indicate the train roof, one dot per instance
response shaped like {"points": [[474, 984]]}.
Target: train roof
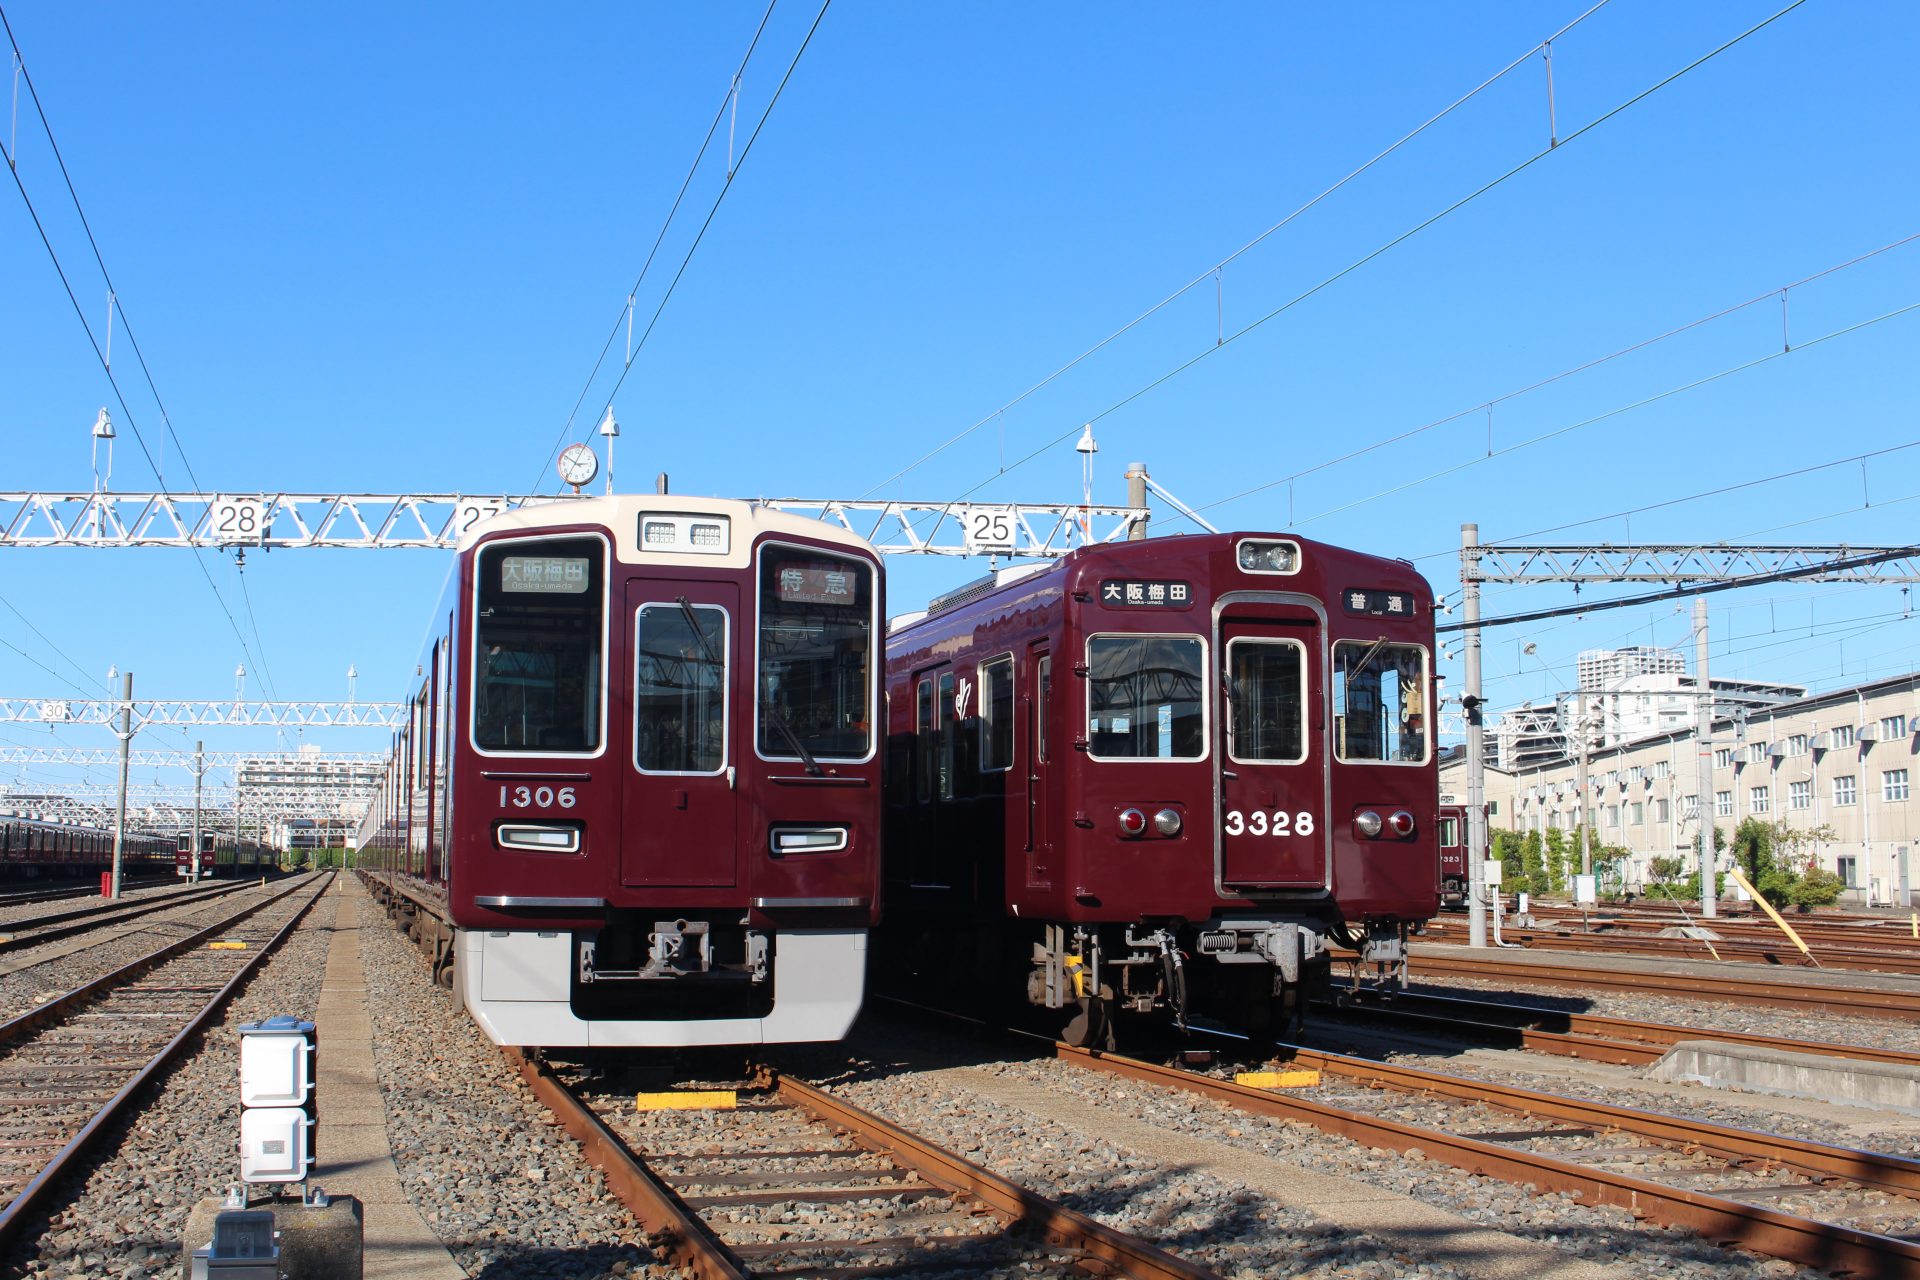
{"points": [[620, 515], [1140, 557]]}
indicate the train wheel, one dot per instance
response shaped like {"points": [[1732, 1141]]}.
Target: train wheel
{"points": [[1091, 1027]]}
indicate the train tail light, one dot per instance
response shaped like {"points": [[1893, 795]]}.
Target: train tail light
{"points": [[1401, 823], [1133, 822], [1397, 825]]}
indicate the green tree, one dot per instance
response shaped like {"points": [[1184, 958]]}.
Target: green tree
{"points": [[1778, 860], [1556, 859], [1507, 847], [1533, 865]]}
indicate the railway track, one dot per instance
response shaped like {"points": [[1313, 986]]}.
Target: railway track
{"points": [[27, 897], [16, 935], [1747, 946], [1592, 1037], [70, 1066], [1855, 1212], [795, 1183], [1429, 964]]}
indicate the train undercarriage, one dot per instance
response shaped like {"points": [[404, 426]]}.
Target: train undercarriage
{"points": [[1252, 976]]}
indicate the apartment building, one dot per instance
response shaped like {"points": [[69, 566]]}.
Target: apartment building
{"points": [[1845, 760]]}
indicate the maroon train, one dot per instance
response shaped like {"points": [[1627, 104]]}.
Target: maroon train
{"points": [[1163, 775], [1453, 852], [30, 847], [643, 766]]}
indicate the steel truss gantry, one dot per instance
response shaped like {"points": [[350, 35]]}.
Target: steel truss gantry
{"points": [[437, 520], [1691, 570], [1699, 563], [213, 711], [183, 759]]}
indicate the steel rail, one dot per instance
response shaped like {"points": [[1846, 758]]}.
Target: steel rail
{"points": [[674, 1231], [30, 1195], [1878, 1003], [1022, 1208], [1816, 1159], [56, 925], [1861, 1254], [1640, 1041], [1745, 950]]}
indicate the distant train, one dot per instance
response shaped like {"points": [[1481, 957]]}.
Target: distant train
{"points": [[222, 856], [643, 767], [30, 848], [1453, 852], [1166, 776]]}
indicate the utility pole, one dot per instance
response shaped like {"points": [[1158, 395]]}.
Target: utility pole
{"points": [[120, 806], [199, 772], [1703, 734], [1476, 742], [1580, 783]]}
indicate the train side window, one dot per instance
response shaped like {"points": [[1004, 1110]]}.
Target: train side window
{"points": [[1266, 701], [1449, 832], [924, 741], [680, 689], [422, 736], [996, 711], [538, 637], [1146, 697], [1379, 701], [1043, 678], [949, 735]]}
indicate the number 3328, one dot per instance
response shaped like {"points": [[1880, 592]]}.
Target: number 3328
{"points": [[1258, 823]]}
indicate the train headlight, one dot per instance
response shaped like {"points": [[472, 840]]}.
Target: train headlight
{"points": [[1401, 823], [1167, 822], [1269, 557], [1133, 822], [1367, 823]]}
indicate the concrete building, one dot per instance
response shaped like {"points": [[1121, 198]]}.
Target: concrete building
{"points": [[1844, 760]]}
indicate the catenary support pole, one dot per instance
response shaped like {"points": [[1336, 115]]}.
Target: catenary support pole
{"points": [[1703, 743], [1580, 785], [126, 754], [1476, 740], [199, 773], [1137, 497]]}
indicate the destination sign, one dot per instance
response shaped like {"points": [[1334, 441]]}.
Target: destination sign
{"points": [[817, 586], [545, 575], [1133, 593], [1378, 604]]}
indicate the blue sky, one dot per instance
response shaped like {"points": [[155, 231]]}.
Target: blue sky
{"points": [[378, 248]]}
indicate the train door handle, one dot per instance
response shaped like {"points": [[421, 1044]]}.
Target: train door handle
{"points": [[1228, 773]]}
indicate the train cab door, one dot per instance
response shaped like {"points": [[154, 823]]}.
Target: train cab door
{"points": [[1043, 777], [1270, 759], [679, 819]]}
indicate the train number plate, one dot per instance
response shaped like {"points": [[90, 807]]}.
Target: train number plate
{"points": [[1259, 822]]}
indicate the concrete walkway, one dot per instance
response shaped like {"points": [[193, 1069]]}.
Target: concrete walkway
{"points": [[355, 1159]]}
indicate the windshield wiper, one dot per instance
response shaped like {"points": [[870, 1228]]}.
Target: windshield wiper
{"points": [[773, 712], [1366, 660]]}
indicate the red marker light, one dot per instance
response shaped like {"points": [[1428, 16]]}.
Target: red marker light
{"points": [[1133, 822], [1402, 823]]}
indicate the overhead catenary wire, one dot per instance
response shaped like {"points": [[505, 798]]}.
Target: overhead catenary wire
{"points": [[93, 340], [625, 314], [1213, 272], [1492, 184], [714, 209]]}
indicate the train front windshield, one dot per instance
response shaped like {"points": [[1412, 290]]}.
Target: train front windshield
{"points": [[814, 680], [538, 636]]}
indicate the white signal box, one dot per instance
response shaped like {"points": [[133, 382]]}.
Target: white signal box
{"points": [[276, 1097], [273, 1144], [275, 1063]]}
